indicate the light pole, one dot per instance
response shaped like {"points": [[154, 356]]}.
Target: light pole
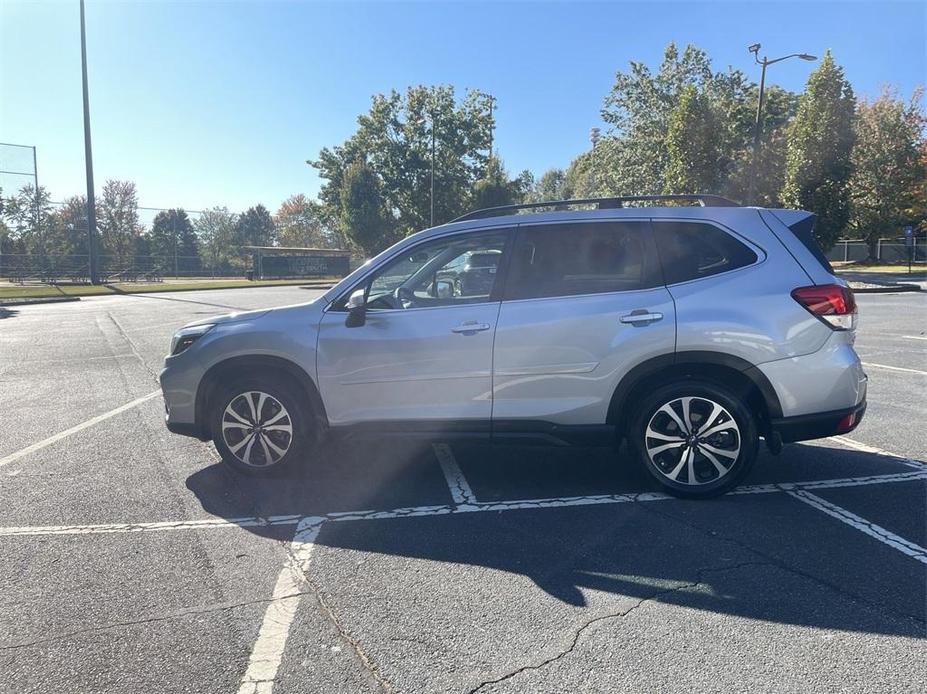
{"points": [[594, 134], [88, 160], [758, 128], [432, 167]]}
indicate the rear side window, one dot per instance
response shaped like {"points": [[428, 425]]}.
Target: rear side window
{"points": [[690, 250], [581, 258]]}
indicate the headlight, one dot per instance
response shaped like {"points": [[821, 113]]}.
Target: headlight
{"points": [[185, 337]]}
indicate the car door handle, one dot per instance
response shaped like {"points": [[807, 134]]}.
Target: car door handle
{"points": [[641, 316], [471, 327]]}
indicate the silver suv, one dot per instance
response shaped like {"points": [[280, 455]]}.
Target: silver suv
{"points": [[690, 331]]}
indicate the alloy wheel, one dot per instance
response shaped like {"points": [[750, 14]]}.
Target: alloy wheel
{"points": [[692, 441], [257, 429]]}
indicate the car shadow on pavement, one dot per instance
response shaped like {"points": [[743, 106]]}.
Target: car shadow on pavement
{"points": [[7, 312], [762, 556]]}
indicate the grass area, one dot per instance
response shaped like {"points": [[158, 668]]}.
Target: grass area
{"points": [[15, 291]]}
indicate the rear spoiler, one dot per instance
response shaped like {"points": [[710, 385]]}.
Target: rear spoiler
{"points": [[795, 229]]}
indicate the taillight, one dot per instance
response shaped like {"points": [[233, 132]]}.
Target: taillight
{"points": [[832, 303]]}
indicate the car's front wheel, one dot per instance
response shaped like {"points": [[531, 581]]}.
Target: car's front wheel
{"points": [[261, 426], [696, 439]]}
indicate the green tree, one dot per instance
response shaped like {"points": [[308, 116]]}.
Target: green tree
{"points": [[302, 222], [393, 144], [633, 157], [365, 222], [117, 222], [820, 139], [69, 222], [172, 242], [887, 169], [550, 186], [779, 107], [495, 188], [256, 227], [29, 216], [216, 230], [693, 149]]}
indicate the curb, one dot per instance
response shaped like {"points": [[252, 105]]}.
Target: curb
{"points": [[26, 301], [896, 289]]}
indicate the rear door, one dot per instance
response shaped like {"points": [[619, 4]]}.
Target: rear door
{"points": [[584, 302]]}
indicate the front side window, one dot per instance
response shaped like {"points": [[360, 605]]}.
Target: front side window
{"points": [[444, 272], [581, 258], [690, 250]]}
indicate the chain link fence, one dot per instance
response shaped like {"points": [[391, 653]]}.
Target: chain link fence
{"points": [[887, 251], [53, 269]]}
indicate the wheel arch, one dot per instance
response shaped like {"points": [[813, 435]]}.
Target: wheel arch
{"points": [[265, 364], [727, 370]]}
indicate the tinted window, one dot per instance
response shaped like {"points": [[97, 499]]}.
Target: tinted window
{"points": [[689, 250], [570, 259]]}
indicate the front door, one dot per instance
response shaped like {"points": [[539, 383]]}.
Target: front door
{"points": [[424, 351]]}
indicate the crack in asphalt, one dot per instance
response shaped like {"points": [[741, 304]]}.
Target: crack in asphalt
{"points": [[578, 633], [315, 590], [779, 564], [178, 614]]}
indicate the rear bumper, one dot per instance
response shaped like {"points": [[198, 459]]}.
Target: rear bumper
{"points": [[819, 425]]}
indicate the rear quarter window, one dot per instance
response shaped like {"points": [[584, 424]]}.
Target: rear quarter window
{"points": [[692, 250]]}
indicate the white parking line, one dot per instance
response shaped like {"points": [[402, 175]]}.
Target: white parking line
{"points": [[73, 430], [865, 448], [893, 368], [445, 509], [456, 482], [876, 531], [275, 627], [915, 337]]}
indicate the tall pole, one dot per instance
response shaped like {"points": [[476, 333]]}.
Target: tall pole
{"points": [[88, 159], [757, 131], [758, 128], [432, 167], [174, 235], [492, 125]]}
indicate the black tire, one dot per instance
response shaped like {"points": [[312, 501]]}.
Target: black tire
{"points": [[734, 434], [261, 457]]}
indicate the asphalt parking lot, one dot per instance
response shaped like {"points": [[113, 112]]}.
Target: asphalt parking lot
{"points": [[133, 562]]}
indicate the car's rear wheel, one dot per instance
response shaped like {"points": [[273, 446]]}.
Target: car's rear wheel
{"points": [[261, 426], [697, 439]]}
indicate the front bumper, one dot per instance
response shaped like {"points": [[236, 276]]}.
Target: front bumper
{"points": [[819, 425]]}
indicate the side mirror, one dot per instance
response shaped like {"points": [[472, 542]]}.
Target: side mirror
{"points": [[357, 309], [444, 289]]}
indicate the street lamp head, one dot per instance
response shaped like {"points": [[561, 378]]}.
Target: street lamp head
{"points": [[755, 48], [807, 56]]}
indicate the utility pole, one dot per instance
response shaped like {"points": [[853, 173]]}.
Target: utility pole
{"points": [[594, 134], [432, 166], [758, 127], [174, 236], [492, 123], [88, 159]]}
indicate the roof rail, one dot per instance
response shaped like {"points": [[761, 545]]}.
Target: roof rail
{"points": [[601, 203]]}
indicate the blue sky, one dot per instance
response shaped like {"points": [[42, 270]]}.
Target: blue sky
{"points": [[221, 103]]}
